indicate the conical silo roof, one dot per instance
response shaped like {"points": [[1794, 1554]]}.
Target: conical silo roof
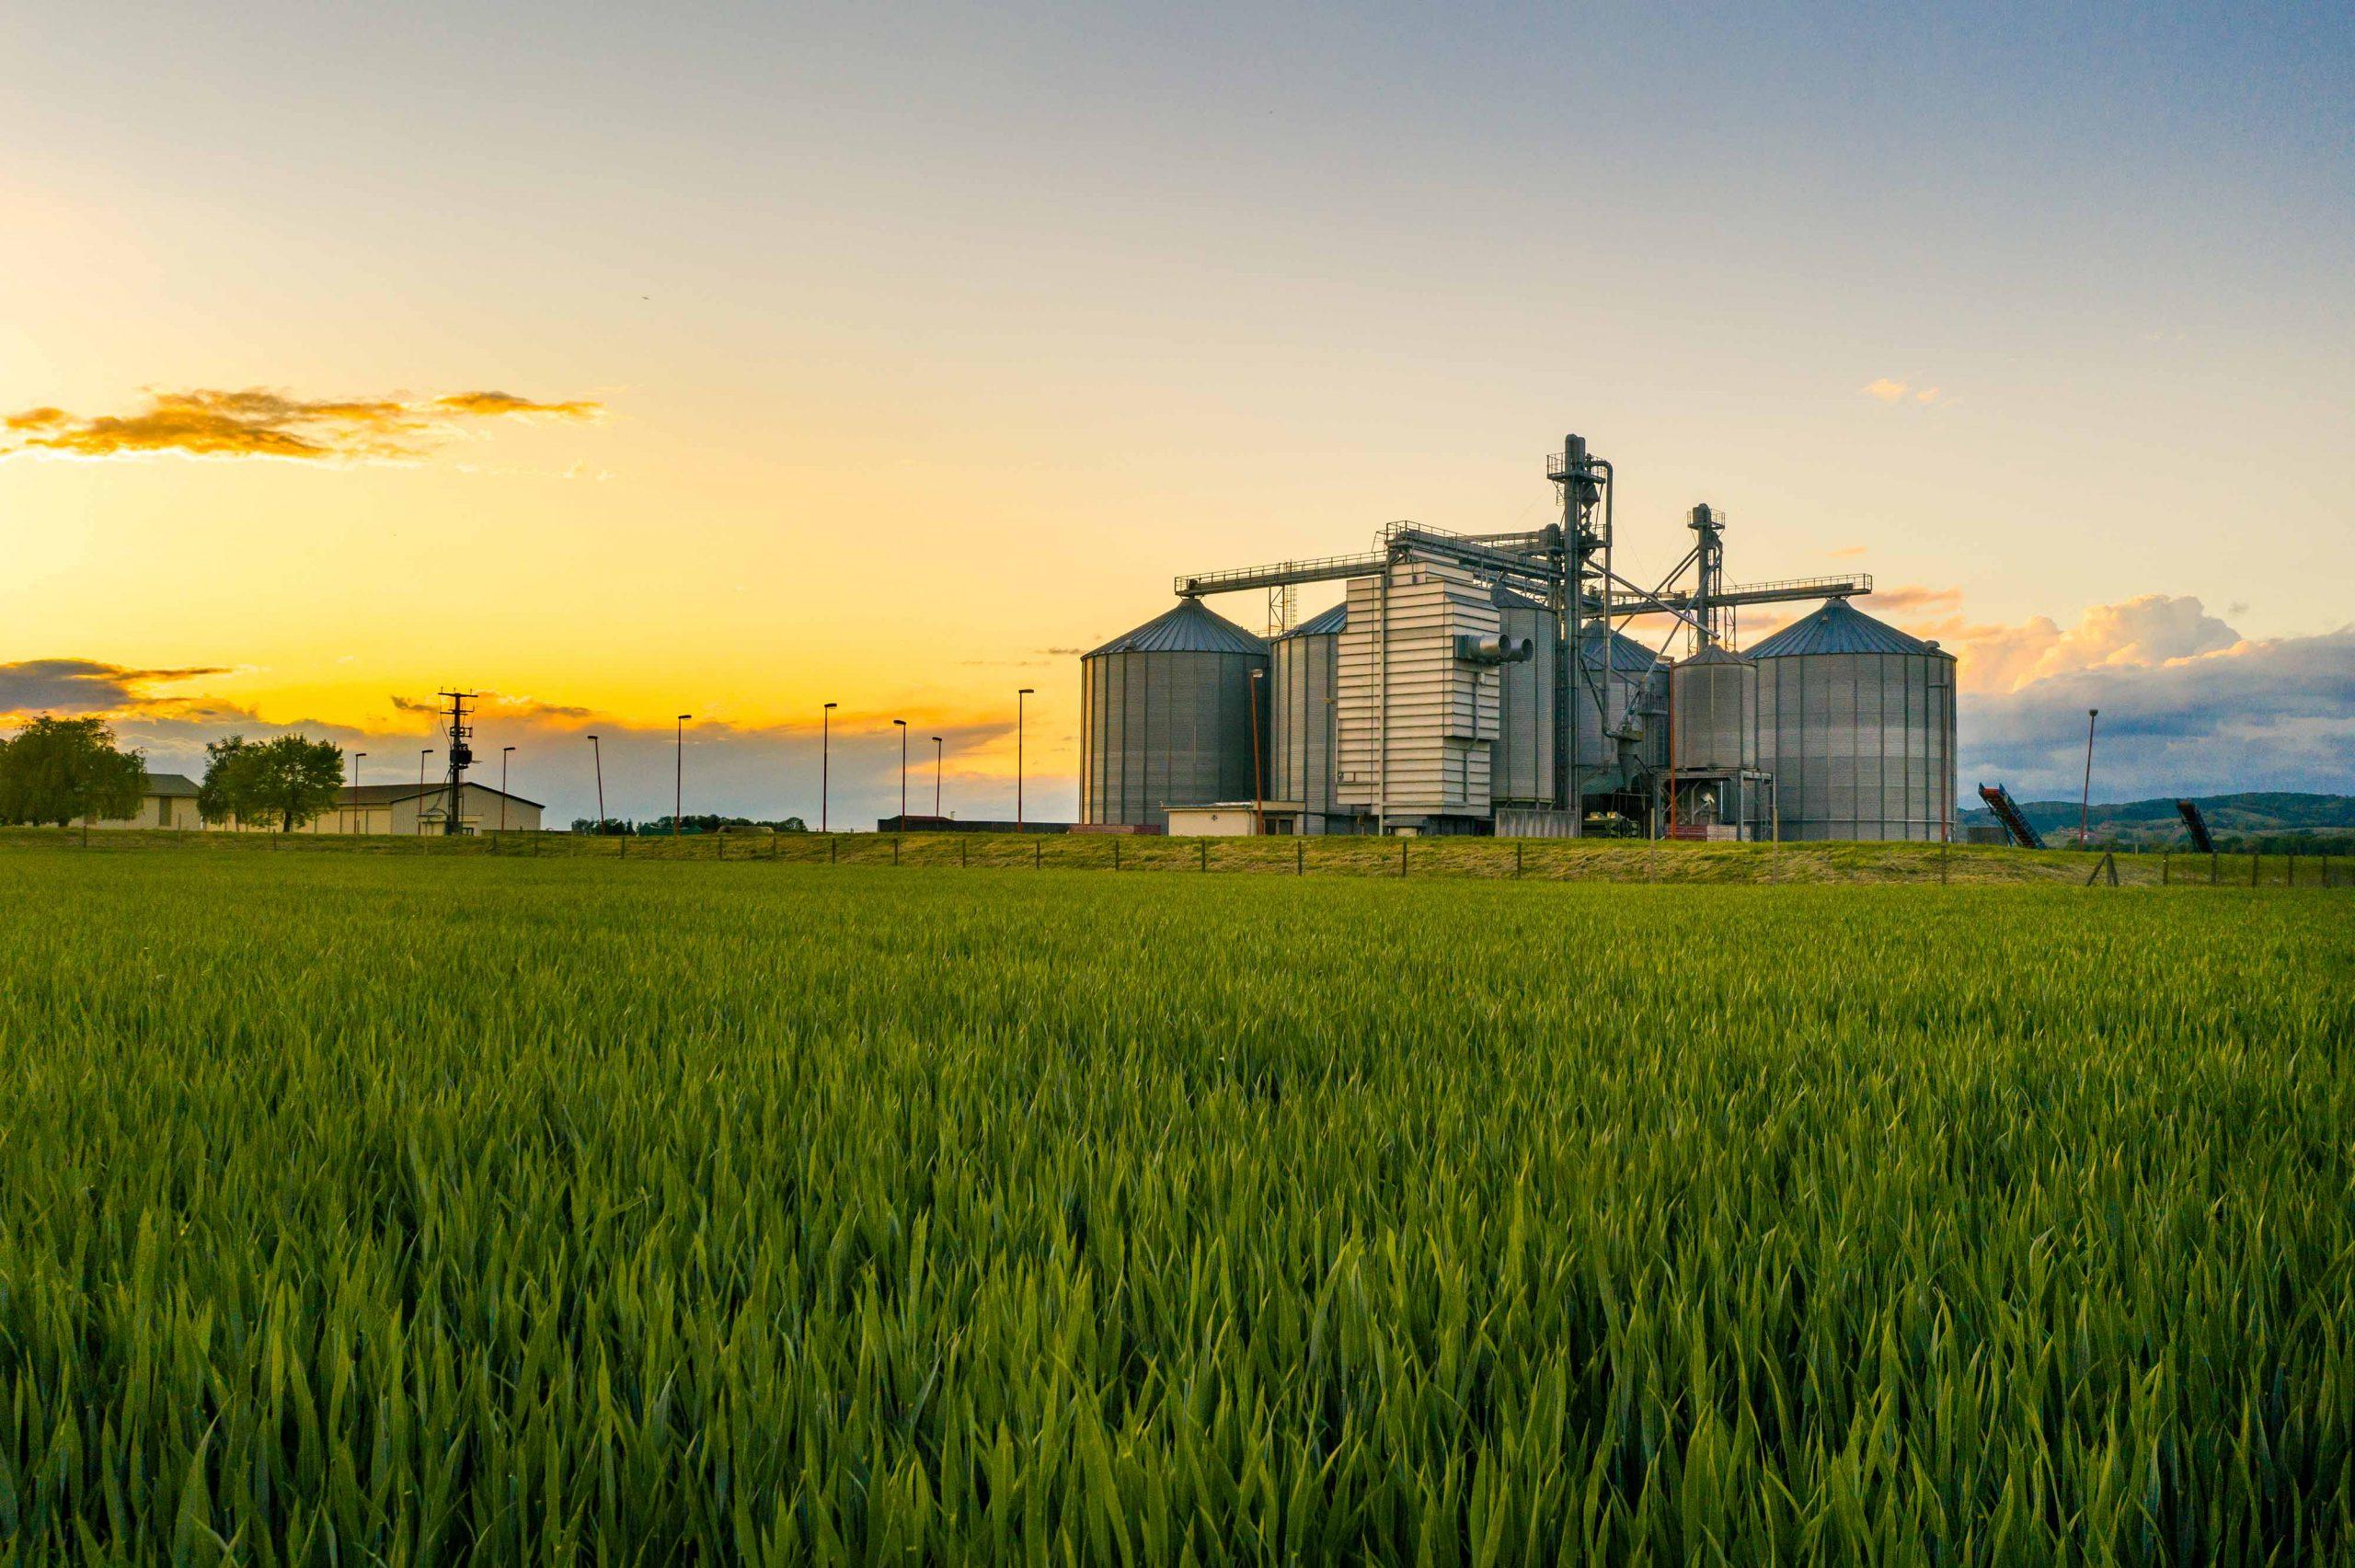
{"points": [[1629, 656], [1327, 624], [1840, 627], [1714, 654], [1189, 628]]}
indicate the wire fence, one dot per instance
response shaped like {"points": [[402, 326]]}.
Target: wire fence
{"points": [[1554, 860]]}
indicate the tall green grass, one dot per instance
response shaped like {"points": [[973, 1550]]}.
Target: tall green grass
{"points": [[356, 1209]]}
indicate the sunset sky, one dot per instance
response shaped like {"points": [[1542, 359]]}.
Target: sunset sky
{"points": [[626, 361]]}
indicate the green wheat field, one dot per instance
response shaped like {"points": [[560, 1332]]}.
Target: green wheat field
{"points": [[398, 1209]]}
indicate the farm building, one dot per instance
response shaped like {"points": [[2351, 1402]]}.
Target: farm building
{"points": [[169, 802], [408, 809]]}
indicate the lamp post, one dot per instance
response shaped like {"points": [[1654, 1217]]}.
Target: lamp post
{"points": [[1026, 692], [504, 752], [597, 757], [679, 772], [825, 759], [358, 758], [937, 753], [1258, 816], [2085, 806], [903, 774]]}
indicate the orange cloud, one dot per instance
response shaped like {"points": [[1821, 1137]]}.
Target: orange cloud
{"points": [[494, 404], [258, 422], [1885, 389]]}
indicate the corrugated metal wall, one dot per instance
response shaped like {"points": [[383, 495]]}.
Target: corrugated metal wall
{"points": [[1159, 729], [1430, 755], [1524, 757], [1305, 745], [1861, 745], [1716, 713]]}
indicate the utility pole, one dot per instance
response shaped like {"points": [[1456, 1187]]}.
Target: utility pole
{"points": [[504, 752], [679, 772], [358, 758], [1018, 696], [597, 756], [2085, 806], [462, 755], [939, 752]]}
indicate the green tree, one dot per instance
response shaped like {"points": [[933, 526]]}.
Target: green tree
{"points": [[219, 796], [289, 780], [58, 769]]}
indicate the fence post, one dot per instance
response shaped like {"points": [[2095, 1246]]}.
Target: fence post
{"points": [[2164, 856], [1038, 854], [719, 845], [1402, 854], [1942, 863], [833, 849], [895, 849], [1115, 851], [964, 857], [2256, 859], [1203, 846], [1516, 859], [1300, 857]]}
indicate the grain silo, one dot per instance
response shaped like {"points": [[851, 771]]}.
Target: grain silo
{"points": [[1166, 718], [1716, 787], [1855, 722], [1522, 774], [1305, 729], [1622, 666], [1715, 705]]}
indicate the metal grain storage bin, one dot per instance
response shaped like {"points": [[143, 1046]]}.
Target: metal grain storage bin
{"points": [[1631, 664], [1716, 708], [1523, 769], [1305, 738], [1855, 721], [1166, 718]]}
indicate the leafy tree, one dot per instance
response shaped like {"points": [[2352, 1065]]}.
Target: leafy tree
{"points": [[58, 769], [293, 778], [217, 796], [290, 779]]}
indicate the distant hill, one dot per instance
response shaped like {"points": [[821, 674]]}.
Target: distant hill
{"points": [[2256, 820]]}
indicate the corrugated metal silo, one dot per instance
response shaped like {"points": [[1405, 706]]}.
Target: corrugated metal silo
{"points": [[1305, 740], [1631, 664], [1855, 721], [1166, 718], [1523, 771], [1716, 705]]}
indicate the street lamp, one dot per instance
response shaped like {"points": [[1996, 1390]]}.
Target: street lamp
{"points": [[903, 772], [679, 773], [937, 753], [597, 757], [1026, 692], [504, 752], [358, 758], [1259, 817], [825, 759]]}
